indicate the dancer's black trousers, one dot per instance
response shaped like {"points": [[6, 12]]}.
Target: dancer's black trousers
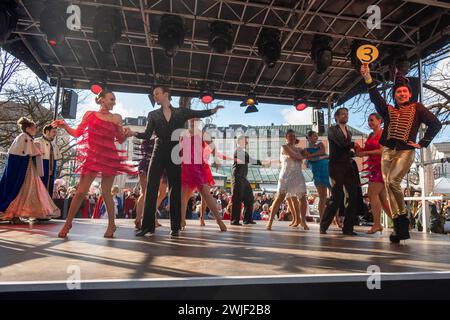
{"points": [[242, 192], [162, 160], [341, 175]]}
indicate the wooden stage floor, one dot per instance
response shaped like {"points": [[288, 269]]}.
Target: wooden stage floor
{"points": [[34, 253]]}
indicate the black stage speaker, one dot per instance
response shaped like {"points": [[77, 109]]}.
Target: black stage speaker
{"points": [[69, 104]]}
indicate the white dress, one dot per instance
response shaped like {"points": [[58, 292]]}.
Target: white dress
{"points": [[291, 180]]}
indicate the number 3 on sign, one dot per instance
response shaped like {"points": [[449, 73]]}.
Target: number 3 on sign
{"points": [[367, 53]]}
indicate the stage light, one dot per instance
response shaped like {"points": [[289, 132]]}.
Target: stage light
{"points": [[251, 109], [321, 53], [108, 27], [96, 88], [171, 34], [206, 93], [269, 46], [250, 100], [300, 104], [8, 19], [220, 37], [53, 22]]}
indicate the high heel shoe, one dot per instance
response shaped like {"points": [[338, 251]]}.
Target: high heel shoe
{"points": [[375, 230], [305, 226], [222, 225], [64, 231], [110, 235], [202, 223]]}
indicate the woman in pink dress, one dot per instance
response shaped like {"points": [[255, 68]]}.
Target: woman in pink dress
{"points": [[377, 192], [196, 173], [98, 156]]}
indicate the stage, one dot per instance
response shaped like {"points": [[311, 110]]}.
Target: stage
{"points": [[245, 260]]}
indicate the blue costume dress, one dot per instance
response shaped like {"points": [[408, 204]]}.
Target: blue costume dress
{"points": [[22, 193], [319, 168]]}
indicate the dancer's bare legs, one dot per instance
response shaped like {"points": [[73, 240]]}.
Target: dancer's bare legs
{"points": [[186, 193], [212, 205], [107, 183], [322, 191], [82, 189], [274, 209]]}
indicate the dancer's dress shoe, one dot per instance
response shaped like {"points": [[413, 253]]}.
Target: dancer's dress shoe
{"points": [[323, 232], [249, 222], [143, 232], [349, 233], [394, 238], [235, 223], [174, 233]]}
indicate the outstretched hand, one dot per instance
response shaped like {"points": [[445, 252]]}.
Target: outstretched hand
{"points": [[217, 108], [59, 123]]}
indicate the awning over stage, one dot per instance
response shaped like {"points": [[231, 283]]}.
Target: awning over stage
{"points": [[415, 27]]}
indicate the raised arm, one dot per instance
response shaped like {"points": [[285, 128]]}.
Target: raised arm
{"points": [[74, 132], [190, 114], [291, 153], [375, 96]]}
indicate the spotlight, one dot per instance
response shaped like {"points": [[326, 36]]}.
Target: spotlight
{"points": [[269, 46], [96, 88], [220, 37], [250, 100], [8, 19], [321, 53], [300, 104], [251, 109], [171, 34], [206, 95], [108, 27], [53, 22]]}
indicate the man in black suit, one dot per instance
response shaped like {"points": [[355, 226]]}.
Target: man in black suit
{"points": [[164, 122]]}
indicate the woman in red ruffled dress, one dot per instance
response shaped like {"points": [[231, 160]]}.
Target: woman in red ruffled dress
{"points": [[196, 173], [376, 191], [98, 156]]}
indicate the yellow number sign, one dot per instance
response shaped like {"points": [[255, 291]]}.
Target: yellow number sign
{"points": [[367, 53]]}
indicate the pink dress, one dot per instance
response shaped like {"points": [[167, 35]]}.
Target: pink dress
{"points": [[97, 152], [373, 163], [195, 170]]}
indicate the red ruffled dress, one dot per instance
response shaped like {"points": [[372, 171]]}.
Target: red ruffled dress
{"points": [[195, 170], [373, 163], [97, 152]]}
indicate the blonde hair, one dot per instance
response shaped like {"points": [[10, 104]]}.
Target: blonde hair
{"points": [[25, 123], [101, 95]]}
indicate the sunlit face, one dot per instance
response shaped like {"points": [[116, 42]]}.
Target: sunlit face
{"points": [[160, 96], [402, 95], [313, 138], [342, 117], [51, 134], [373, 122], [290, 138], [31, 130], [108, 101]]}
